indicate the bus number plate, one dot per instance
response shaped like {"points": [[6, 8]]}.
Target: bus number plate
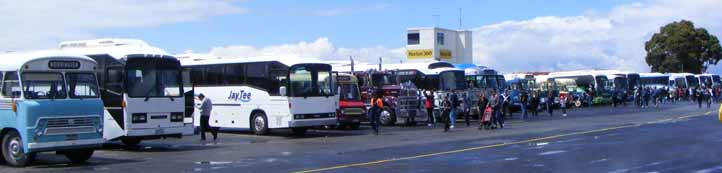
{"points": [[71, 137]]}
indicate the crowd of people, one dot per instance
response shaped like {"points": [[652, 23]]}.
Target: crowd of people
{"points": [[493, 107]]}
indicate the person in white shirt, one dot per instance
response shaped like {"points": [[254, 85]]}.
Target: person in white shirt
{"points": [[206, 107]]}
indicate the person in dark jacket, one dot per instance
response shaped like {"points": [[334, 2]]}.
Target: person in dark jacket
{"points": [[454, 108], [534, 103], [446, 112]]}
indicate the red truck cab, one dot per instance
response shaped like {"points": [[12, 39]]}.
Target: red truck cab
{"points": [[351, 108]]}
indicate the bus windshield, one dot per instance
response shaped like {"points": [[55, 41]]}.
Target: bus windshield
{"points": [[82, 85], [350, 92], [381, 79], [43, 85], [153, 78], [310, 81], [452, 80]]}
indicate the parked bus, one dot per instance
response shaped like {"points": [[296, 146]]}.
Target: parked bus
{"points": [[351, 109], [265, 93], [49, 102], [586, 79], [654, 80], [141, 87], [519, 84]]}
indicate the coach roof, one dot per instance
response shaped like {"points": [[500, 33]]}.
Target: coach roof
{"points": [[14, 60]]}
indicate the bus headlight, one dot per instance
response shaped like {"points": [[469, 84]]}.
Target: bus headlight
{"points": [[176, 117], [139, 118]]}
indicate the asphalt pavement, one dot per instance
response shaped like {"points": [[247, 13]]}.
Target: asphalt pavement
{"points": [[674, 138]]}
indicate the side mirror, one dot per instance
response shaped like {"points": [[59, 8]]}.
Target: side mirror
{"points": [[282, 91]]}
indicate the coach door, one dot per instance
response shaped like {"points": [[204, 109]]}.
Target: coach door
{"points": [[189, 96]]}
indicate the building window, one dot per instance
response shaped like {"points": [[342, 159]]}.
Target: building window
{"points": [[440, 38], [413, 39]]}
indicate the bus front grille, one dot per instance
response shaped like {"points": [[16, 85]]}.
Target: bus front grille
{"points": [[70, 122], [69, 130]]}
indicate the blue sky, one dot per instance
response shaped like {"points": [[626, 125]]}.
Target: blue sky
{"points": [[510, 35], [352, 24]]}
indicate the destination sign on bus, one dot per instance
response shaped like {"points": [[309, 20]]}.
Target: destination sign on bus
{"points": [[57, 64]]}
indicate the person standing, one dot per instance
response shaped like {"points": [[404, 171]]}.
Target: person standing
{"points": [[483, 104], [429, 105], [534, 103], [708, 97], [550, 103], [505, 103], [524, 100], [498, 104], [206, 107], [493, 103], [699, 96], [563, 104], [446, 112], [454, 108], [377, 105], [467, 108]]}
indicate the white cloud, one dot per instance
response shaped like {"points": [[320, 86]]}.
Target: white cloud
{"points": [[320, 48], [594, 40], [611, 40], [350, 10], [43, 23]]}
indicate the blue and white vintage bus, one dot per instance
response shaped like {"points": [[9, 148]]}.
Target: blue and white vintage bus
{"points": [[49, 102]]}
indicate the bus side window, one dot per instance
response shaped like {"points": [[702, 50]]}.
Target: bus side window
{"points": [[11, 86]]}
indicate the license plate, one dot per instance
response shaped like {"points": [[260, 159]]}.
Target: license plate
{"points": [[71, 137], [159, 131], [356, 121]]}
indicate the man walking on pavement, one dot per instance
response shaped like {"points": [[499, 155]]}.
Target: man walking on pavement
{"points": [[205, 108]]}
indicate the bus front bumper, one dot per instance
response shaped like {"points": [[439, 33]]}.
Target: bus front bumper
{"points": [[151, 133], [312, 122], [61, 145]]}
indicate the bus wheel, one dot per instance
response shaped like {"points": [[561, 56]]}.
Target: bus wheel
{"points": [[387, 118], [13, 152], [299, 131], [130, 142], [79, 156], [260, 125]]}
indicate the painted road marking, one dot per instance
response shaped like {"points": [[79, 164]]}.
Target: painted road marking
{"points": [[493, 146]]}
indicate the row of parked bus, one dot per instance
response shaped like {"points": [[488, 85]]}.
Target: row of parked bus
{"points": [[73, 99]]}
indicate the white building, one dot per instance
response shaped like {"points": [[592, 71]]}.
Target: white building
{"points": [[438, 44]]}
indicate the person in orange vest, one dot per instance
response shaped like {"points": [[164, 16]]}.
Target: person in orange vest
{"points": [[377, 105]]}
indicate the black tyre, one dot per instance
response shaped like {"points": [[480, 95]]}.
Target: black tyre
{"points": [[130, 142], [387, 117], [13, 151], [259, 123], [79, 156], [299, 131]]}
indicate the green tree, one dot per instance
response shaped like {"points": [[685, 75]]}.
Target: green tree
{"points": [[680, 47]]}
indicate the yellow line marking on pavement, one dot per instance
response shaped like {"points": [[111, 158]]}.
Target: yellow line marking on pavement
{"points": [[486, 146]]}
